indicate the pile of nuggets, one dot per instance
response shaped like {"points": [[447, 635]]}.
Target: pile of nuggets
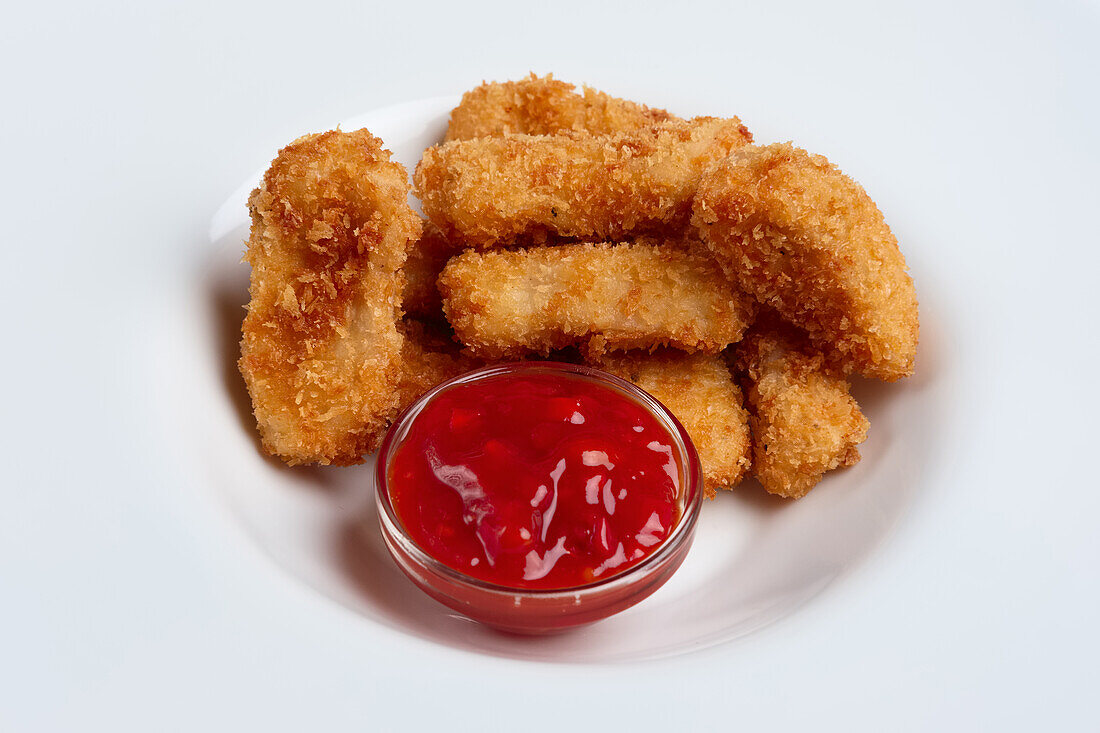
{"points": [[740, 284]]}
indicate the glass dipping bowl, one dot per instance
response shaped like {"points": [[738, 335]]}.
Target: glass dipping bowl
{"points": [[537, 611]]}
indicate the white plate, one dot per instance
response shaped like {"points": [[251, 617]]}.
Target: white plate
{"points": [[756, 558]]}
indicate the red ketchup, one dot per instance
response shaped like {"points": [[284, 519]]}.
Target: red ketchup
{"points": [[537, 482]]}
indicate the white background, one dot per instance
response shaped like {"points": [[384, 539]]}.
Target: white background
{"points": [[129, 602]]}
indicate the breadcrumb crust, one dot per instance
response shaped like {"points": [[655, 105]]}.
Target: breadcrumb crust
{"points": [[807, 240], [804, 420], [330, 227], [429, 356], [426, 258], [499, 190], [545, 106], [507, 304]]}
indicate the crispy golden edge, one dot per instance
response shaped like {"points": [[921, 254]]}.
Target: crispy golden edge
{"points": [[600, 297], [545, 106], [426, 259], [698, 390], [330, 227], [807, 240], [491, 191], [804, 420]]}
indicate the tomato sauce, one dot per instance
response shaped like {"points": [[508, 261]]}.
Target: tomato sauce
{"points": [[538, 481]]}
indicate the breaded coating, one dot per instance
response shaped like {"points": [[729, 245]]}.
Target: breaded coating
{"points": [[804, 421], [426, 259], [331, 224], [698, 390], [506, 304], [545, 106], [807, 240], [500, 190], [429, 356]]}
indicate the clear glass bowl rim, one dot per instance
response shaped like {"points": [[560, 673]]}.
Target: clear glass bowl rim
{"points": [[682, 532]]}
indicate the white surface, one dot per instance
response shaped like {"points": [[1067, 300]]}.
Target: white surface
{"points": [[131, 598]]}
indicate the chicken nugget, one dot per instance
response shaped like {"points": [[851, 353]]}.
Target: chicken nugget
{"points": [[506, 304], [429, 356], [803, 418], [331, 224], [500, 190], [807, 240], [545, 106], [698, 390], [426, 259]]}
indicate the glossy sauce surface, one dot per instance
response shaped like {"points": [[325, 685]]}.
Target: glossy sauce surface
{"points": [[537, 481]]}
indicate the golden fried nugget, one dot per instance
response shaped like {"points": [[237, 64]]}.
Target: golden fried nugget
{"points": [[429, 356], [491, 191], [698, 390], [807, 240], [426, 259], [545, 106], [506, 304], [804, 421], [331, 224]]}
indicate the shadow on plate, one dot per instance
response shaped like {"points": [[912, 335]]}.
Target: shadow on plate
{"points": [[227, 295], [752, 496], [393, 599], [364, 559]]}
